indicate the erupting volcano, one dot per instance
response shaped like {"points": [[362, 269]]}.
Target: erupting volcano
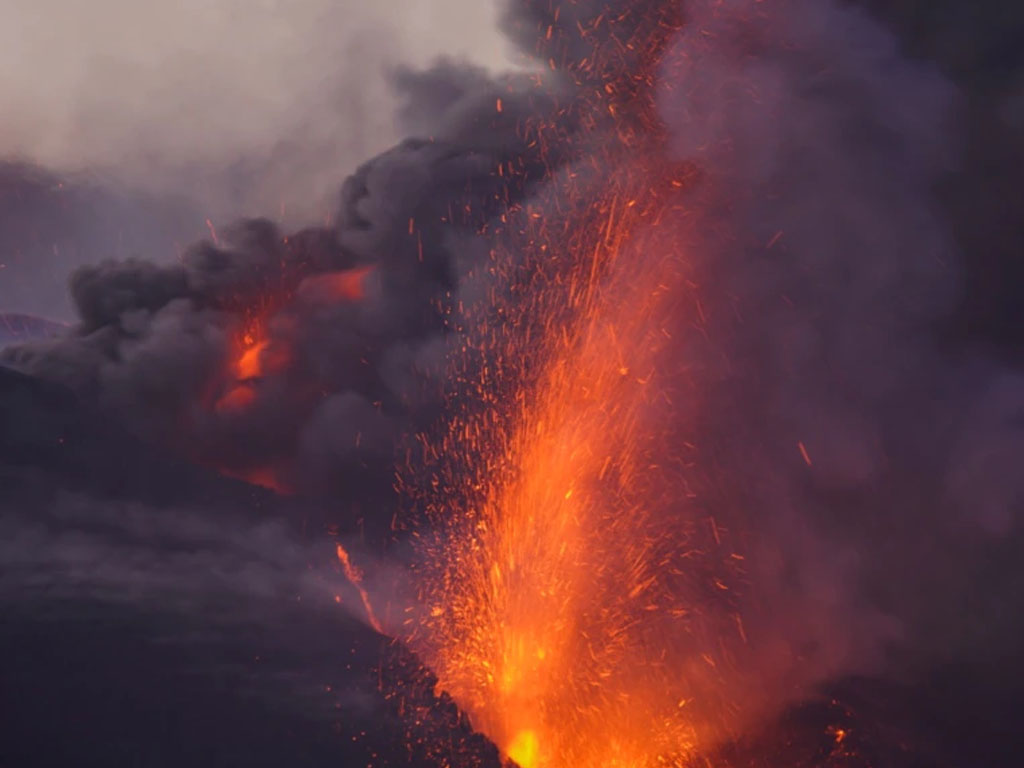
{"points": [[578, 602], [631, 396], [580, 606], [261, 347]]}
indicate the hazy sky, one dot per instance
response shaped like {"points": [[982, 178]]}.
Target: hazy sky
{"points": [[171, 92]]}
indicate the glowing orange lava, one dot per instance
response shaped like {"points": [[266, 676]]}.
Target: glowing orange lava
{"points": [[250, 364], [579, 614], [578, 603], [255, 354], [355, 577], [238, 398], [253, 357], [261, 346], [265, 477]]}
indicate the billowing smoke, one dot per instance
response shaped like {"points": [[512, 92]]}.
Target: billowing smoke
{"points": [[866, 437], [861, 439], [299, 361], [131, 124]]}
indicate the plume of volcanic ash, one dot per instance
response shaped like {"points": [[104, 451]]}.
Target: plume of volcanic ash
{"points": [[296, 361], [844, 420], [711, 375], [675, 297]]}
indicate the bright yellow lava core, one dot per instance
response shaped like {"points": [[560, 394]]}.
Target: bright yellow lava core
{"points": [[523, 749]]}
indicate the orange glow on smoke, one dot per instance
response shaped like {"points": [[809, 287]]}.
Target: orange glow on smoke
{"points": [[346, 285], [260, 347], [578, 604], [265, 477], [250, 364], [238, 398]]}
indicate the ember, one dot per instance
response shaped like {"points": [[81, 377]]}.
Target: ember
{"points": [[656, 330], [355, 577], [578, 605]]}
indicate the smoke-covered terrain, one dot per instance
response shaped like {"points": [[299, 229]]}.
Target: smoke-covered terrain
{"points": [[177, 465], [16, 328]]}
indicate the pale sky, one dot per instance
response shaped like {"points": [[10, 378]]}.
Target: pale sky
{"points": [[150, 91]]}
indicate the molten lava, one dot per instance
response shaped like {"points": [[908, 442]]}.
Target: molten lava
{"points": [[582, 613], [250, 363], [261, 348], [253, 357], [255, 354], [355, 577], [265, 477], [578, 604]]}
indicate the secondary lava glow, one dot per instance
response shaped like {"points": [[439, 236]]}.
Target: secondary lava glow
{"points": [[355, 577], [577, 603], [260, 347], [255, 354]]}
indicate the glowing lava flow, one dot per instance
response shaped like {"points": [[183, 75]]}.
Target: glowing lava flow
{"points": [[251, 361], [355, 578]]}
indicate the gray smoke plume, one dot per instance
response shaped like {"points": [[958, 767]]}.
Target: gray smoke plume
{"points": [[871, 448], [862, 411], [352, 316]]}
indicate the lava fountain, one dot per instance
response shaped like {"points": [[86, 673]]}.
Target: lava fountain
{"points": [[578, 603]]}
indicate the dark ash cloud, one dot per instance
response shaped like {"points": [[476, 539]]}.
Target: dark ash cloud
{"points": [[864, 420], [859, 350]]}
